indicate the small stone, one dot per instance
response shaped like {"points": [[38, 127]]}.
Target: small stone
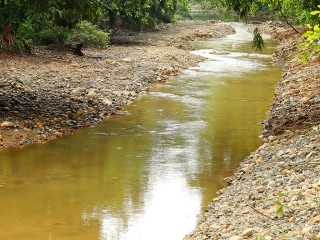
{"points": [[39, 123], [248, 232], [293, 193], [306, 230], [215, 226], [245, 211], [314, 220], [287, 171], [58, 134], [235, 238], [127, 60], [80, 112], [272, 184], [247, 168], [304, 99], [7, 124], [76, 92], [271, 138], [107, 102], [92, 94], [260, 189], [292, 219], [258, 161], [280, 153]]}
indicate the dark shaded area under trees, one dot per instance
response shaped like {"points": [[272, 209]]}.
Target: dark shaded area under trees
{"points": [[24, 23]]}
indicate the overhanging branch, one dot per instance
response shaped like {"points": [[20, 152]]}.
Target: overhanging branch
{"points": [[286, 19]]}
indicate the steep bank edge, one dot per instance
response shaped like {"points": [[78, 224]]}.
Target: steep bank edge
{"points": [[283, 175]]}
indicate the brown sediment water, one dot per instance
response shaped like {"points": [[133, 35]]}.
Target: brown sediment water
{"points": [[148, 172]]}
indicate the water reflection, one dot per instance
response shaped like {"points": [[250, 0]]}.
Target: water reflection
{"points": [[149, 172]]}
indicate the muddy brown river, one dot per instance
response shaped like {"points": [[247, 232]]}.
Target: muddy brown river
{"points": [[149, 172]]}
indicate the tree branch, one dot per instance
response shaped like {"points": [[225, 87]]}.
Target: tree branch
{"points": [[77, 49], [260, 212], [285, 18], [27, 47]]}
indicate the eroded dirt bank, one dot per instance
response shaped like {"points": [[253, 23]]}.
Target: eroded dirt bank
{"points": [[275, 192], [50, 94]]}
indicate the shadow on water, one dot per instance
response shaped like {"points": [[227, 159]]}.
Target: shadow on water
{"points": [[149, 172]]}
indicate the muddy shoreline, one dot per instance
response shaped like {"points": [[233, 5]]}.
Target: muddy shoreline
{"points": [[275, 192], [51, 94]]}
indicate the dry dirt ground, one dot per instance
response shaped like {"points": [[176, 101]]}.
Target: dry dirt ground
{"points": [[50, 94]]}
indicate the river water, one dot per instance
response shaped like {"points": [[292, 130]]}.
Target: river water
{"points": [[149, 172]]}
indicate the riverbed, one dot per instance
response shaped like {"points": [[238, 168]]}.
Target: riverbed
{"points": [[150, 171]]}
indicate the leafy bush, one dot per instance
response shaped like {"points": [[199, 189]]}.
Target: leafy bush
{"points": [[311, 46], [38, 29], [26, 31], [86, 33], [50, 34], [54, 35]]}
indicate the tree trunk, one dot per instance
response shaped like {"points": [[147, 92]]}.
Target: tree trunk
{"points": [[77, 49]]}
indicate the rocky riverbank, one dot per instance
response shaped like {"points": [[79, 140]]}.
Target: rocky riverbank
{"points": [[275, 192], [50, 94]]}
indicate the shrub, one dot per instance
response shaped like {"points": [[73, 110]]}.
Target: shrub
{"points": [[40, 31], [310, 48], [50, 34], [54, 35], [87, 34]]}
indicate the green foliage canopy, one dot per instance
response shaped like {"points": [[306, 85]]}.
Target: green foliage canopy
{"points": [[51, 21], [296, 10], [62, 13], [86, 33], [57, 22], [310, 47], [139, 13], [42, 22]]}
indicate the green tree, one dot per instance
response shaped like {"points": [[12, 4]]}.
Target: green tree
{"points": [[310, 47], [291, 10], [51, 21], [34, 19], [64, 13], [138, 13]]}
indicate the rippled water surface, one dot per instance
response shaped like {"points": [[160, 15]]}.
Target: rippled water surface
{"points": [[149, 172]]}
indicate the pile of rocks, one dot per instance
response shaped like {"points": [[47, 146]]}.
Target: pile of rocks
{"points": [[275, 194], [297, 100]]}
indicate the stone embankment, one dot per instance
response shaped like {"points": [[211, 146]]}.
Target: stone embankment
{"points": [[50, 94], [275, 192]]}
